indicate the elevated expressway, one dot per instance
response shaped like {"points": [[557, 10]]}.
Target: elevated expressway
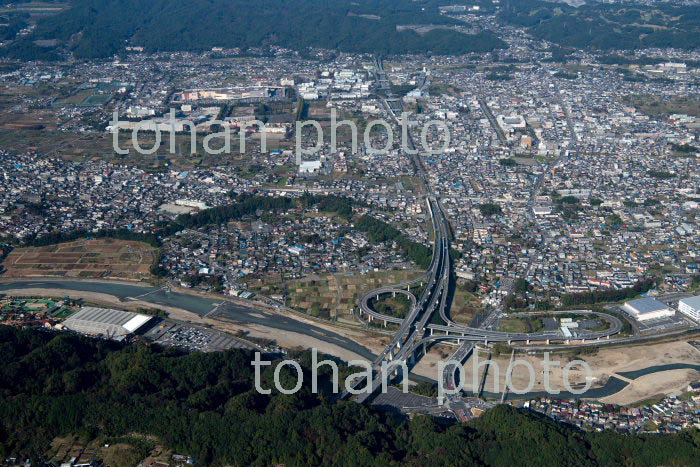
{"points": [[416, 331]]}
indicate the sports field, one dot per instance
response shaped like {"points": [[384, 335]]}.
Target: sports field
{"points": [[98, 258]]}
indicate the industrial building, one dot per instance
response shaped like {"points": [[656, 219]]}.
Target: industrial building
{"points": [[310, 167], [114, 324], [644, 309], [690, 307]]}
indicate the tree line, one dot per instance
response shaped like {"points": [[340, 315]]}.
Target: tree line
{"points": [[52, 238], [205, 405], [379, 231], [242, 206], [612, 295]]}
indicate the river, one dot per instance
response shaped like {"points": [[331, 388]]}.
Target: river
{"points": [[196, 304]]}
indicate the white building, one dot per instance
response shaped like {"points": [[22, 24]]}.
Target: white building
{"points": [[309, 167], [192, 204], [644, 309], [690, 307], [114, 324]]}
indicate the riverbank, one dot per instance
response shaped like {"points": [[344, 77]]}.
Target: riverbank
{"points": [[286, 329], [294, 330], [613, 377]]}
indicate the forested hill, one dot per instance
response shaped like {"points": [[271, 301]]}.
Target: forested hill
{"points": [[101, 28], [620, 25], [205, 405]]}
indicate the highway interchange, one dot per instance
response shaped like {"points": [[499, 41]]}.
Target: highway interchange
{"points": [[418, 330]]}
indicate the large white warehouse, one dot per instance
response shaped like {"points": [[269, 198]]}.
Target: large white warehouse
{"points": [[647, 308], [106, 322]]}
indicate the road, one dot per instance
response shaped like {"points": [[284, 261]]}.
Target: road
{"points": [[492, 120], [412, 339]]}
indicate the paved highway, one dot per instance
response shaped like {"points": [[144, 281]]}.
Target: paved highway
{"points": [[415, 331]]}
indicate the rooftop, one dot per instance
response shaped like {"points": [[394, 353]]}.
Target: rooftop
{"points": [[646, 305], [113, 323], [693, 302]]}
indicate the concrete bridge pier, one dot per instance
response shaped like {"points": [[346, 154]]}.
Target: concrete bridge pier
{"points": [[509, 341], [393, 294], [547, 341], [431, 331], [527, 342], [384, 323]]}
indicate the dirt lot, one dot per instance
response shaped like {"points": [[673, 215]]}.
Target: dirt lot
{"points": [[465, 306], [99, 258]]}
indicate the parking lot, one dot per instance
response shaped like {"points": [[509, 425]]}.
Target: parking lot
{"points": [[185, 336], [663, 324]]}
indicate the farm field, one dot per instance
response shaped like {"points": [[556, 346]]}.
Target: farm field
{"points": [[333, 295], [98, 258]]}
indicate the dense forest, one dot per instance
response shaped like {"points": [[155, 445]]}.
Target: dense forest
{"points": [[13, 23], [206, 405], [101, 28], [606, 26]]}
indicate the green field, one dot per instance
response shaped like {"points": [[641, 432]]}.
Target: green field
{"points": [[521, 325], [64, 313]]}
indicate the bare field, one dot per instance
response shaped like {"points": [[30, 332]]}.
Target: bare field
{"points": [[464, 306], [331, 295], [659, 106], [99, 258]]}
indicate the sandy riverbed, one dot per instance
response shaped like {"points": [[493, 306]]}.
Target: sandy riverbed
{"points": [[606, 363], [666, 383]]}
